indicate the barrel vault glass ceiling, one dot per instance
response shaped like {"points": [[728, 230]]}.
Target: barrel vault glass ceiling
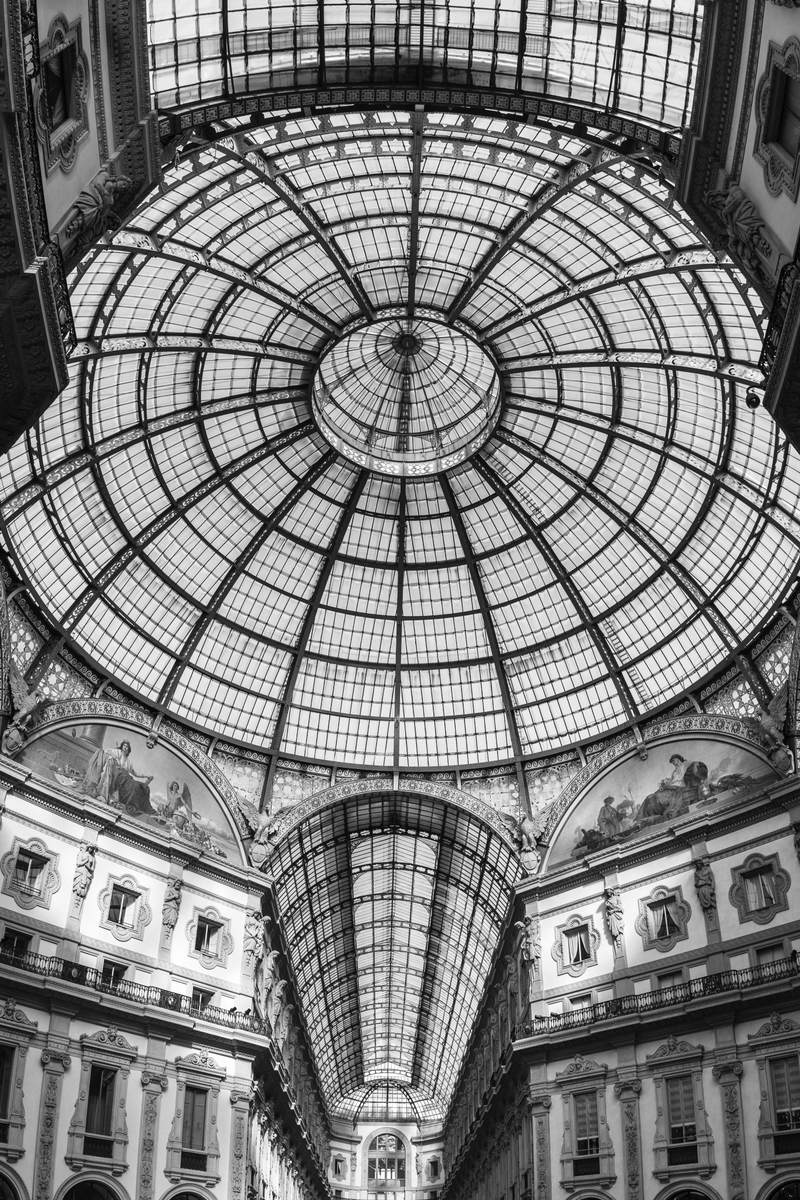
{"points": [[392, 906], [510, 576]]}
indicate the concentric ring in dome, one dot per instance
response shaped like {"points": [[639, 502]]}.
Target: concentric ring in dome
{"points": [[406, 396], [624, 531]]}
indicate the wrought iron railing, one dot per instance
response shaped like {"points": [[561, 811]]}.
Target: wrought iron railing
{"points": [[61, 968], [663, 998]]}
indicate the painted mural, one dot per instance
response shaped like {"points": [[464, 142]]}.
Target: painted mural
{"points": [[678, 777], [153, 784]]}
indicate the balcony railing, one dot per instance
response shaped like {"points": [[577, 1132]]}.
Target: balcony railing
{"points": [[61, 968], [663, 998]]}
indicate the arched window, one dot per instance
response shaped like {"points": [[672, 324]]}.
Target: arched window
{"points": [[7, 1191], [386, 1163], [91, 1189], [788, 1190]]}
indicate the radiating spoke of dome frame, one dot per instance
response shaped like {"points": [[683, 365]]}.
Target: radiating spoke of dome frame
{"points": [[618, 529]]}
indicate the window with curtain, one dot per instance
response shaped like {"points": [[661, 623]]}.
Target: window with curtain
{"points": [[759, 888], [681, 1120], [193, 1139], [577, 946], [98, 1140], [664, 918]]}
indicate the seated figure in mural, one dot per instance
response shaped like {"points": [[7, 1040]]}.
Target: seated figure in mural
{"points": [[685, 785], [112, 773]]}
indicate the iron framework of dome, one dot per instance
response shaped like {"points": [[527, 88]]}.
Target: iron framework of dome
{"points": [[619, 528]]}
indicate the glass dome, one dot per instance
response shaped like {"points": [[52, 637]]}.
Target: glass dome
{"points": [[404, 439]]}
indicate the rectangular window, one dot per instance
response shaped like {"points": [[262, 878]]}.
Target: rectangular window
{"points": [[112, 973], [122, 906], [663, 922], [582, 1001], [193, 1137], [577, 947], [14, 944], [206, 940], [200, 999], [669, 979], [769, 954], [29, 870], [6, 1077], [785, 1081], [681, 1121], [759, 888], [784, 121], [98, 1140], [587, 1134]]}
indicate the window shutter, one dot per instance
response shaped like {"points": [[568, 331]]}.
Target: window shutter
{"points": [[785, 1083], [194, 1119], [680, 1100], [586, 1115]]}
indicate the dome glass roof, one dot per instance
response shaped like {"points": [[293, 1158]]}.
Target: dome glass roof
{"points": [[407, 438]]}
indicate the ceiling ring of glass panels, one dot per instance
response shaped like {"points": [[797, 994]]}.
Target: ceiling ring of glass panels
{"points": [[624, 529], [406, 395]]}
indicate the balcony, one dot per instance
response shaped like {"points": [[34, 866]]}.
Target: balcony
{"points": [[663, 998]]}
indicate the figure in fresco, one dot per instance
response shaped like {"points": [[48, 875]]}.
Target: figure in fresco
{"points": [[688, 781], [178, 809], [112, 773]]}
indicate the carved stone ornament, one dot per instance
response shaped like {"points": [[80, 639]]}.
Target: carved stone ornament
{"points": [[60, 138], [781, 170], [775, 1027]]}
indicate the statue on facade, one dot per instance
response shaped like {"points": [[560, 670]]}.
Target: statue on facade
{"points": [[92, 212], [172, 903], [27, 707], [705, 886], [253, 938], [84, 870], [614, 916], [524, 834], [264, 839]]}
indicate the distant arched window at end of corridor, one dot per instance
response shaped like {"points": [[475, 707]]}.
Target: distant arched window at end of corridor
{"points": [[386, 1163]]}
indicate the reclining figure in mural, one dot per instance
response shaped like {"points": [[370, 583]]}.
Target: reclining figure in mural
{"points": [[111, 773]]}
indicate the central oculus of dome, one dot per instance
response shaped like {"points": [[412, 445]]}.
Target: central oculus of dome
{"points": [[406, 396]]}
